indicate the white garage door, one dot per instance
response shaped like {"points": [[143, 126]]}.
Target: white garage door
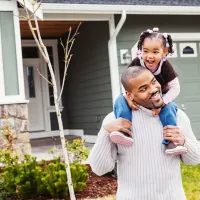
{"points": [[187, 63]]}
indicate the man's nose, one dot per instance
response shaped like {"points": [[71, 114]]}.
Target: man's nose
{"points": [[153, 89]]}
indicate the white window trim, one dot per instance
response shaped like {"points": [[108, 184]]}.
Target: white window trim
{"points": [[12, 99], [2, 88]]}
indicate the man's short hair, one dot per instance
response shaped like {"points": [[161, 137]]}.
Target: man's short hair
{"points": [[129, 73]]}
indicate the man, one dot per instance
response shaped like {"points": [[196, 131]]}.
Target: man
{"points": [[144, 171]]}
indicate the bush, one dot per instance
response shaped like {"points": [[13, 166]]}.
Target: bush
{"points": [[47, 178]]}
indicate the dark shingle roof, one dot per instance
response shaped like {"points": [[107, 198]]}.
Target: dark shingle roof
{"points": [[130, 2]]}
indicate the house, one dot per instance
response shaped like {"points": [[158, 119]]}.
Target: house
{"points": [[109, 32]]}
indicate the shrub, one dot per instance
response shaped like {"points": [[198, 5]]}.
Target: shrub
{"points": [[47, 178]]}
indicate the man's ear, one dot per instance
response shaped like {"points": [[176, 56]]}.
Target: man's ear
{"points": [[129, 95]]}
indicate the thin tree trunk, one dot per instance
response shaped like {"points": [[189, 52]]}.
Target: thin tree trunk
{"points": [[45, 55]]}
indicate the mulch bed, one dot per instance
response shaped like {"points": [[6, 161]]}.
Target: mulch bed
{"points": [[97, 186]]}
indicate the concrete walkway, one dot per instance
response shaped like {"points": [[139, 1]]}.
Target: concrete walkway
{"points": [[41, 147]]}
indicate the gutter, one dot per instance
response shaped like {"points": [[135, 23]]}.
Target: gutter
{"points": [[116, 9], [113, 58]]}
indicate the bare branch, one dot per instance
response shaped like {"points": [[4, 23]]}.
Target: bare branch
{"points": [[68, 56], [35, 10], [64, 76], [50, 83], [33, 33], [76, 33], [67, 42], [61, 42], [20, 16]]}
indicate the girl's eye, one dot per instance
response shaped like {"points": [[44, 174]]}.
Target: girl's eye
{"points": [[155, 52]]}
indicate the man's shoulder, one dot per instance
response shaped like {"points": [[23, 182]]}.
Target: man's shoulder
{"points": [[109, 118], [182, 118]]}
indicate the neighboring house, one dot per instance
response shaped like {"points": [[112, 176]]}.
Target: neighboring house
{"points": [[110, 28]]}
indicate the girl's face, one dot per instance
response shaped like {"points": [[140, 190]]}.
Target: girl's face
{"points": [[152, 52]]}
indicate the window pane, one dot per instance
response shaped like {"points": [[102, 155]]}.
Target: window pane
{"points": [[54, 122], [31, 82], [51, 98], [9, 53], [30, 52]]}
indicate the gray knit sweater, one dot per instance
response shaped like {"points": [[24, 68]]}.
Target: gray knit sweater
{"points": [[144, 171]]}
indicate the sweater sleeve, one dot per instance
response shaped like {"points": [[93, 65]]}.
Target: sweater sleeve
{"points": [[103, 155], [173, 92], [192, 157]]}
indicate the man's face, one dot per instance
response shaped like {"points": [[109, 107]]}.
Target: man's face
{"points": [[146, 91]]}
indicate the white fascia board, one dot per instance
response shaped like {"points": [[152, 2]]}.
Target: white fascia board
{"points": [[33, 7], [117, 9], [185, 36]]}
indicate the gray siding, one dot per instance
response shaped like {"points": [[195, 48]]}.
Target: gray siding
{"points": [[88, 88], [130, 2]]}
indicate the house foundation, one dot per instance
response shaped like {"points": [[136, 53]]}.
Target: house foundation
{"points": [[15, 116]]}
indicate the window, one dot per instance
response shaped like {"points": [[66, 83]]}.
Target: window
{"points": [[30, 52], [188, 49], [31, 81], [11, 71], [9, 54]]}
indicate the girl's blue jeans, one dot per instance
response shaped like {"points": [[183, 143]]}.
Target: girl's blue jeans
{"points": [[167, 114]]}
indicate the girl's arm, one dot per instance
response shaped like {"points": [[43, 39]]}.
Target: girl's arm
{"points": [[173, 92]]}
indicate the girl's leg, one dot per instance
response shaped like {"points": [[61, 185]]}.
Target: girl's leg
{"points": [[168, 116], [121, 109]]}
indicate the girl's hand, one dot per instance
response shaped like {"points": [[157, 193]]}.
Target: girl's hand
{"points": [[132, 104]]}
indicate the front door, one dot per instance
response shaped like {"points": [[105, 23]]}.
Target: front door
{"points": [[33, 92]]}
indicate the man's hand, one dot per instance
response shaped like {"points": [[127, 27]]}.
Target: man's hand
{"points": [[119, 124], [132, 104], [173, 134]]}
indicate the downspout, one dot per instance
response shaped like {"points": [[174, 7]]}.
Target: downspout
{"points": [[113, 58]]}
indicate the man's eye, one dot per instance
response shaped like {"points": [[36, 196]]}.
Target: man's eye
{"points": [[143, 90], [154, 81]]}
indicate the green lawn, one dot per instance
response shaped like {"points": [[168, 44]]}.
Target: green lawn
{"points": [[191, 181]]}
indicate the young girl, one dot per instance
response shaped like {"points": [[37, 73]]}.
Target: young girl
{"points": [[153, 48]]}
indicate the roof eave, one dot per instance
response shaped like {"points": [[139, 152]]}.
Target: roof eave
{"points": [[117, 9]]}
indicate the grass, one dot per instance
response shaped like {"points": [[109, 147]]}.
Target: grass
{"points": [[111, 197], [191, 183]]}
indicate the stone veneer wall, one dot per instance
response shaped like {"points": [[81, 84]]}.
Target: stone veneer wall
{"points": [[16, 116]]}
